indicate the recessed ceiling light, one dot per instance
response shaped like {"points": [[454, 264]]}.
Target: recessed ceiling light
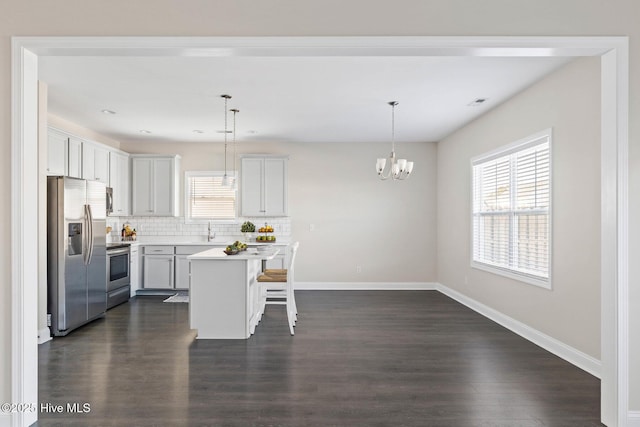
{"points": [[252, 132], [221, 131], [477, 102], [108, 112], [144, 131], [198, 131]]}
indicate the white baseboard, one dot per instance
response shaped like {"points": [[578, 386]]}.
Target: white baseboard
{"points": [[560, 349], [44, 335], [633, 419], [366, 286]]}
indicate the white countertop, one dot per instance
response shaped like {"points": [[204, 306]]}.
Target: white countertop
{"points": [[218, 254], [220, 243]]}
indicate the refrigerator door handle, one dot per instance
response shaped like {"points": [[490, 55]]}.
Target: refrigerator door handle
{"points": [[91, 239], [85, 237]]}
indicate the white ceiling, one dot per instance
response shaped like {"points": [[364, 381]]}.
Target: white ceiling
{"points": [[302, 99]]}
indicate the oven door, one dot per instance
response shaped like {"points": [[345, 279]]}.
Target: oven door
{"points": [[117, 268]]}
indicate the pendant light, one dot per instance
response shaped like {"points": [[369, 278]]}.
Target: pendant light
{"points": [[399, 169], [235, 162], [226, 180]]}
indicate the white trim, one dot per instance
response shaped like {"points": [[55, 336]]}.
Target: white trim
{"points": [[515, 146], [509, 149], [615, 123], [365, 286], [560, 349], [633, 419], [614, 234], [187, 202], [24, 232], [44, 335]]}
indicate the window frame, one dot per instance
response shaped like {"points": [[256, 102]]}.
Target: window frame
{"points": [[506, 150], [187, 192]]}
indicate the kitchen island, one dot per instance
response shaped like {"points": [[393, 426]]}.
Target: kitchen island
{"points": [[224, 295]]}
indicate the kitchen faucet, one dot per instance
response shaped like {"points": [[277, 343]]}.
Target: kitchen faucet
{"points": [[210, 235]]}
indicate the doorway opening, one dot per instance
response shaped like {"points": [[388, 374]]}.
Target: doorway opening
{"points": [[614, 168]]}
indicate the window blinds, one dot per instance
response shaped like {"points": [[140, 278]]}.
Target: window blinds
{"points": [[208, 199], [511, 209]]}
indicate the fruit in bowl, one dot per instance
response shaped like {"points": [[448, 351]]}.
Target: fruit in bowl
{"points": [[239, 245], [231, 250]]}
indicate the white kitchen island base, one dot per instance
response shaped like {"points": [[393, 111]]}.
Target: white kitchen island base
{"points": [[224, 296]]}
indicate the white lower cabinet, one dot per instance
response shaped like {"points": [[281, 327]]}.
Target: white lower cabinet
{"points": [[182, 272], [167, 267], [158, 271], [134, 269]]}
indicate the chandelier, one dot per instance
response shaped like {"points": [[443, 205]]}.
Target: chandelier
{"points": [[399, 169]]}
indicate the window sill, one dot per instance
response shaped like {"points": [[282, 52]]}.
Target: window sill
{"points": [[546, 284]]}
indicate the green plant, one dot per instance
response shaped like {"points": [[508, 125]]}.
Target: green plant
{"points": [[248, 227]]}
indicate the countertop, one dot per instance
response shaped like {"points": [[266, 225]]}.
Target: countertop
{"points": [[218, 254], [221, 243]]}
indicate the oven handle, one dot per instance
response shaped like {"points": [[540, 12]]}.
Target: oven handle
{"points": [[118, 251]]}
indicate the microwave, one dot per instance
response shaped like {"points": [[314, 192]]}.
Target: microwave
{"points": [[109, 200]]}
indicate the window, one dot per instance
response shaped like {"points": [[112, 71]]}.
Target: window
{"points": [[207, 199], [512, 210]]}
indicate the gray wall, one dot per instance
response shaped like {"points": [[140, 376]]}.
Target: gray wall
{"points": [[386, 228], [568, 101]]}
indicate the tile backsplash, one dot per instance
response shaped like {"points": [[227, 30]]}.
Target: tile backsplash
{"points": [[150, 228]]}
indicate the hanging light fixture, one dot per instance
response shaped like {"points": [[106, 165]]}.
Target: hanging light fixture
{"points": [[399, 169], [235, 162], [226, 180]]}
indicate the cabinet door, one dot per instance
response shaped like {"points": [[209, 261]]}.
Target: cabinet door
{"points": [[74, 169], [275, 187], [142, 197], [56, 153], [158, 271], [163, 181], [119, 182], [88, 161], [134, 270], [251, 195], [182, 272], [101, 165]]}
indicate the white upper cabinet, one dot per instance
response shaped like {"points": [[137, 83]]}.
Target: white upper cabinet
{"points": [[57, 146], [120, 182], [263, 186], [95, 162], [74, 162], [101, 165], [155, 185]]}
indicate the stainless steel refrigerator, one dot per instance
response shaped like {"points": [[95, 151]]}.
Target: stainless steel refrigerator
{"points": [[76, 252]]}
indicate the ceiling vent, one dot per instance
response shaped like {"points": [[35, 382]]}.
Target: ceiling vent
{"points": [[477, 102]]}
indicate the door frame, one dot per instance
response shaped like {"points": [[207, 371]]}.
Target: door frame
{"points": [[614, 53]]}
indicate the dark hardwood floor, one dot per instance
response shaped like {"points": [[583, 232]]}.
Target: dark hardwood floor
{"points": [[359, 358]]}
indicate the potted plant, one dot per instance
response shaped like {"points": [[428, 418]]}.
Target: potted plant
{"points": [[247, 228]]}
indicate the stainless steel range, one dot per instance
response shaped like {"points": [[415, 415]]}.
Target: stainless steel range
{"points": [[118, 275]]}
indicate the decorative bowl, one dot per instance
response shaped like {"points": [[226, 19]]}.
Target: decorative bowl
{"points": [[231, 252]]}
